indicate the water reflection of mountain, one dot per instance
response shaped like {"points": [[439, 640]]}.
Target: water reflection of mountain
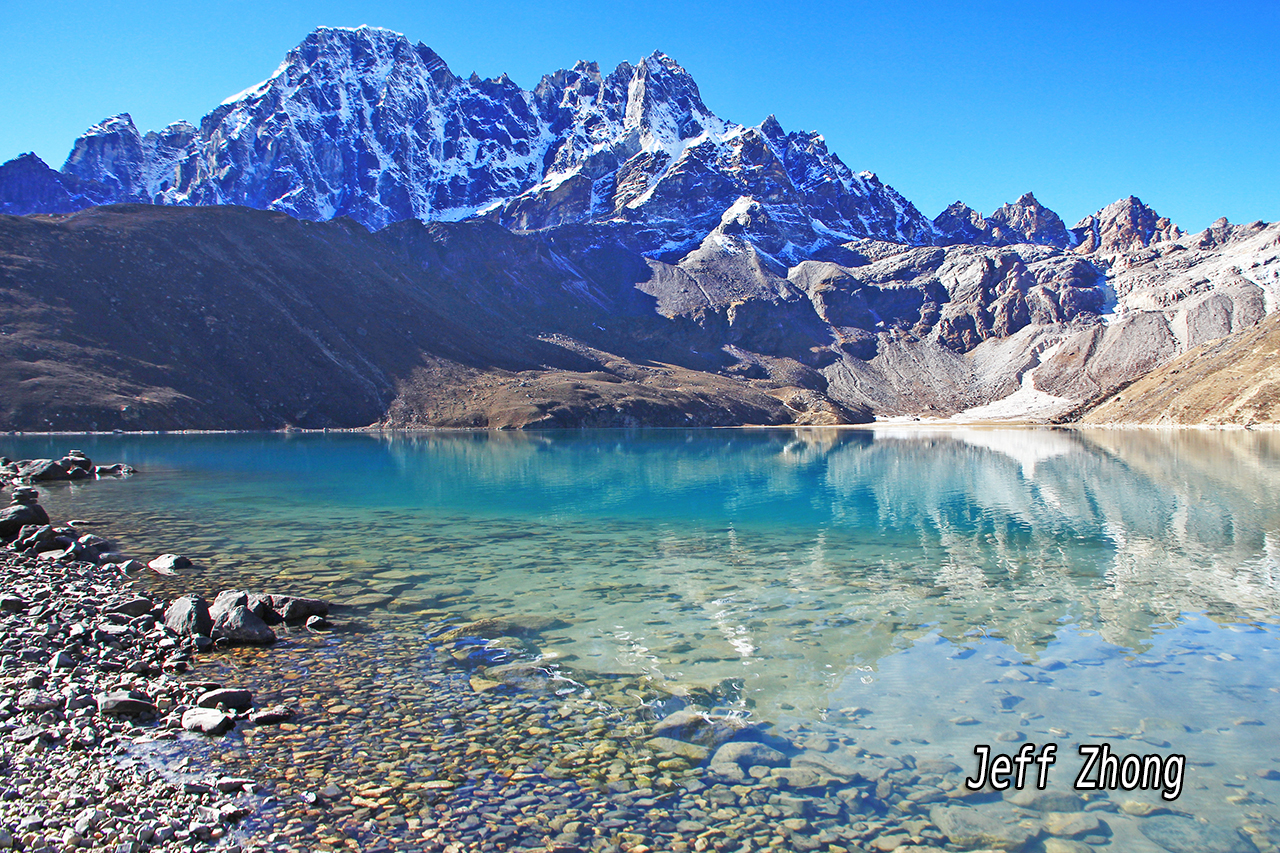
{"points": [[1116, 531], [1009, 532]]}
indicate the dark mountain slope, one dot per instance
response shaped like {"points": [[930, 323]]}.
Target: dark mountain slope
{"points": [[135, 316]]}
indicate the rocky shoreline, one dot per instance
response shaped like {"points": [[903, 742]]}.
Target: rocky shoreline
{"points": [[91, 668]]}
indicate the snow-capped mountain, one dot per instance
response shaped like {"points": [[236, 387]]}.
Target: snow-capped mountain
{"points": [[362, 123]]}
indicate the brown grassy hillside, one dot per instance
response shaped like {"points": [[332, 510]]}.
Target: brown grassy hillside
{"points": [[1231, 381]]}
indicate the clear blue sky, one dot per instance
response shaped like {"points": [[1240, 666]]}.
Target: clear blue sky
{"points": [[1175, 102]]}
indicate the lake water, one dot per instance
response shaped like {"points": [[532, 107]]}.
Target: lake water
{"points": [[893, 597]]}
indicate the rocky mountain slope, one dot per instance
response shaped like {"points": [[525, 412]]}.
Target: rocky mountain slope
{"points": [[143, 317], [1233, 380], [140, 316]]}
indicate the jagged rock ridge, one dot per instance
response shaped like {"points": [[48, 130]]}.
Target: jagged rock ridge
{"points": [[362, 123], [1024, 221]]}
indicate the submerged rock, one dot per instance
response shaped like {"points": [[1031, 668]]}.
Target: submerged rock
{"points": [[696, 727], [733, 759], [1045, 801], [1179, 834], [272, 715], [209, 721], [502, 626], [695, 753], [969, 828], [169, 563]]}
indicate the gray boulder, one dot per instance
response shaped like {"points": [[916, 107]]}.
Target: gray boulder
{"points": [[226, 600], [188, 616], [240, 625], [209, 721], [37, 470], [293, 609], [260, 605], [16, 516], [76, 459], [167, 564], [228, 697], [134, 606], [124, 702]]}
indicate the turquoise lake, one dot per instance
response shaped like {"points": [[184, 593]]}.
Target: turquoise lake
{"points": [[903, 589]]}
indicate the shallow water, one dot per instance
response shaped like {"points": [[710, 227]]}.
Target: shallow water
{"points": [[907, 591]]}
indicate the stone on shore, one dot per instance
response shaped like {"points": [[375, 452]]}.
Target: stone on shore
{"points": [[124, 702], [25, 495], [16, 516], [188, 616], [134, 606], [226, 600], [293, 609], [34, 700], [240, 625], [38, 470]]}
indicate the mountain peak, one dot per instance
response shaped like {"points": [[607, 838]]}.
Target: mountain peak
{"points": [[1122, 226], [960, 223], [1028, 221], [359, 122]]}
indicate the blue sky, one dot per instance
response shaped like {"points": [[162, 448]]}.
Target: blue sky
{"points": [[1177, 103]]}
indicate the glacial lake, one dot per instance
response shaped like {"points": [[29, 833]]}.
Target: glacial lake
{"points": [[891, 597]]}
